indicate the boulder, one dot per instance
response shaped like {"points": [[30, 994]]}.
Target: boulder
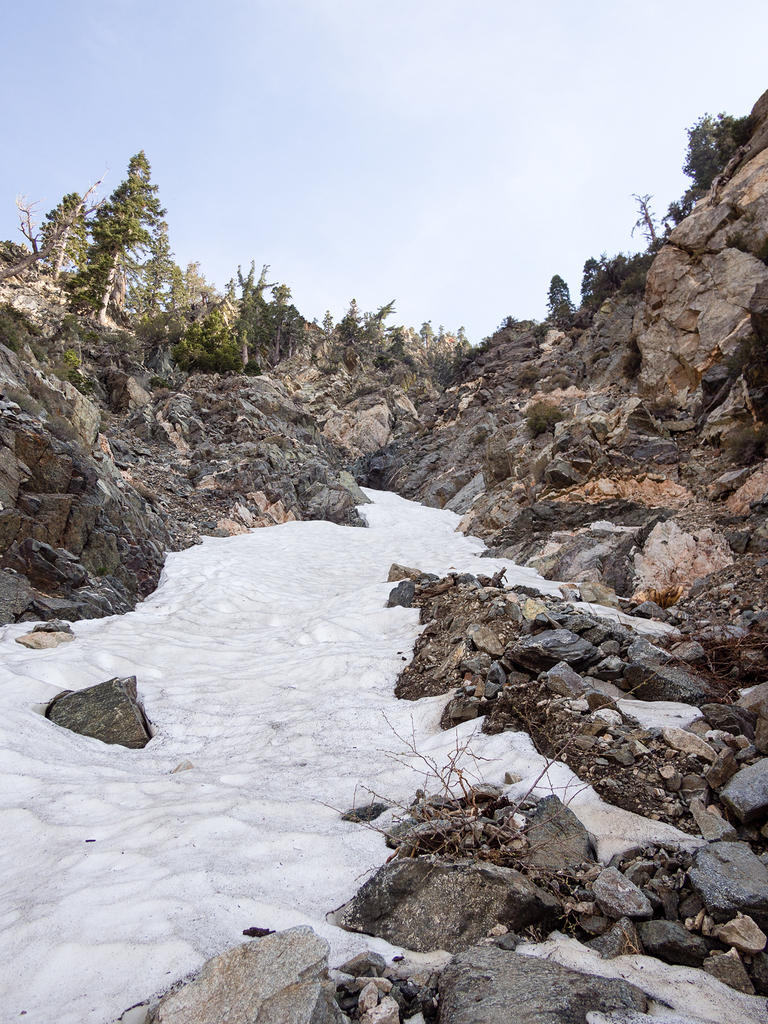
{"points": [[649, 680], [618, 897], [427, 903], [402, 595], [546, 649], [747, 792], [671, 557], [669, 941], [279, 979], [110, 712], [488, 985], [730, 879], [557, 838]]}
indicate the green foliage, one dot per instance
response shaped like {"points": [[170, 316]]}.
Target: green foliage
{"points": [[69, 252], [15, 329], [209, 346], [158, 382], [528, 375], [613, 275], [542, 416], [121, 232], [712, 141], [252, 368], [559, 306]]}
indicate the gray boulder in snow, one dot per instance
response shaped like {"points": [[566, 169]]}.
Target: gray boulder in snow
{"points": [[110, 712], [402, 595], [280, 979], [426, 903], [488, 985]]}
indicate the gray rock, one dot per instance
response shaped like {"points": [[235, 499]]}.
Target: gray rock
{"points": [[280, 979], [559, 473], [110, 712], [649, 680], [495, 679], [730, 879], [366, 965], [488, 985], [650, 610], [730, 718], [618, 897], [564, 680], [546, 649], [669, 941], [621, 939], [557, 837], [730, 970], [402, 595], [747, 792], [365, 812], [428, 903], [643, 650], [485, 639]]}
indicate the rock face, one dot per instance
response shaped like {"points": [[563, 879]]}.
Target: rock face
{"points": [[486, 985], [425, 903], [110, 712], [703, 289], [280, 979]]}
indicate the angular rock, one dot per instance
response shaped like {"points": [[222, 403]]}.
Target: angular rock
{"points": [[622, 939], [562, 679], [368, 965], [711, 826], [110, 712], [427, 903], [747, 792], [730, 718], [689, 743], [557, 838], [669, 941], [618, 897], [730, 879], [487, 985], [399, 572], [728, 968], [546, 649], [402, 595], [280, 979], [485, 639], [649, 680], [743, 933], [40, 641]]}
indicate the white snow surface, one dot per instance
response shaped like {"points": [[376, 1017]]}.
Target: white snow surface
{"points": [[268, 661]]}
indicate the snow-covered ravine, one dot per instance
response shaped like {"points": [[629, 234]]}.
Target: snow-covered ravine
{"points": [[268, 662]]}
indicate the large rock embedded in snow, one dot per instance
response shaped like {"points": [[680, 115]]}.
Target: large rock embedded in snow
{"points": [[280, 979], [427, 903], [110, 712], [488, 985]]}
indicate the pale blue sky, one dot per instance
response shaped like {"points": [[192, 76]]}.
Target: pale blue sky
{"points": [[449, 155]]}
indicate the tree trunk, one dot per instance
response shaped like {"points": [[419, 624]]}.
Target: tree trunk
{"points": [[108, 292], [61, 253]]}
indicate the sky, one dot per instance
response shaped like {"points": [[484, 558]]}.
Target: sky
{"points": [[447, 155]]}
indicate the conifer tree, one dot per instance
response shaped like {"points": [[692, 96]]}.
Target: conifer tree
{"points": [[559, 305], [66, 226], [122, 230]]}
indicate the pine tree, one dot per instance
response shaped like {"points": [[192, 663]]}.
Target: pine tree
{"points": [[122, 230], [152, 282], [67, 228], [559, 305]]}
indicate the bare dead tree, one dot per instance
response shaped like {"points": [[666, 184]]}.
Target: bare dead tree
{"points": [[646, 222], [45, 244]]}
